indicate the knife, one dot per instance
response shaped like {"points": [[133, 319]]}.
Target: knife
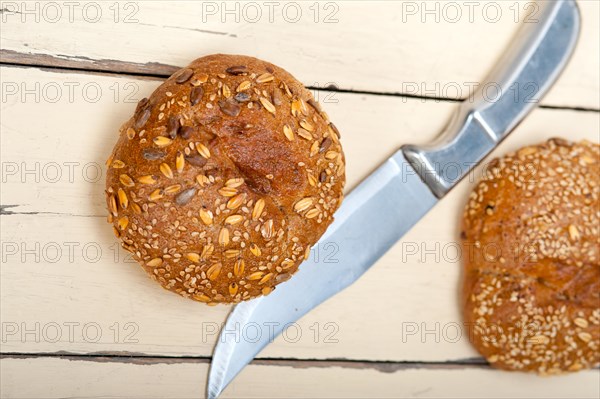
{"points": [[407, 186]]}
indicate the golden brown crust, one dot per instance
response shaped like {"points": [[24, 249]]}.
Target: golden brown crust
{"points": [[224, 178], [532, 271]]}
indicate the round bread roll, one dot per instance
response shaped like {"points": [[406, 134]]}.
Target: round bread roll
{"points": [[531, 241], [224, 178]]}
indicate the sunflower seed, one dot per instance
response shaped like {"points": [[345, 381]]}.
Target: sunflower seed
{"points": [[238, 268], [142, 118], [183, 75], [234, 219], [277, 97], [172, 127], [267, 104], [230, 108], [141, 104], [245, 85], [336, 131], [152, 154], [185, 132], [155, 262], [206, 217], [259, 206], [196, 95], [123, 222], [288, 132], [123, 200], [264, 78], [166, 170], [213, 271], [203, 150], [242, 97], [179, 162], [303, 204], [126, 180], [185, 196], [325, 144], [237, 201], [196, 159], [237, 70], [323, 176], [282, 277], [266, 290]]}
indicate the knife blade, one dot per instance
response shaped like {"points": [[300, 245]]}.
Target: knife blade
{"points": [[381, 209]]}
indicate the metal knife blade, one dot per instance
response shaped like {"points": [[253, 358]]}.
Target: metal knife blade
{"points": [[360, 223], [393, 198]]}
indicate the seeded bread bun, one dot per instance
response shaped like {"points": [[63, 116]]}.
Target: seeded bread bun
{"points": [[224, 178], [532, 259]]}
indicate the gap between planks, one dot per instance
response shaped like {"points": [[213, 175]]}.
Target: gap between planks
{"points": [[141, 359], [157, 70]]}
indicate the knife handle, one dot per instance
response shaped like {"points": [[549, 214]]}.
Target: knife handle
{"points": [[520, 79]]}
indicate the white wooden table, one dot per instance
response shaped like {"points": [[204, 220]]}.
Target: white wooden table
{"points": [[79, 319]]}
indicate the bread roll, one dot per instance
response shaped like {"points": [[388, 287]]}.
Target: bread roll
{"points": [[531, 241], [224, 178]]}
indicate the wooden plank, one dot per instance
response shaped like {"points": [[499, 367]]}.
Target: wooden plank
{"points": [[62, 255], [436, 49], [55, 164], [47, 377]]}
